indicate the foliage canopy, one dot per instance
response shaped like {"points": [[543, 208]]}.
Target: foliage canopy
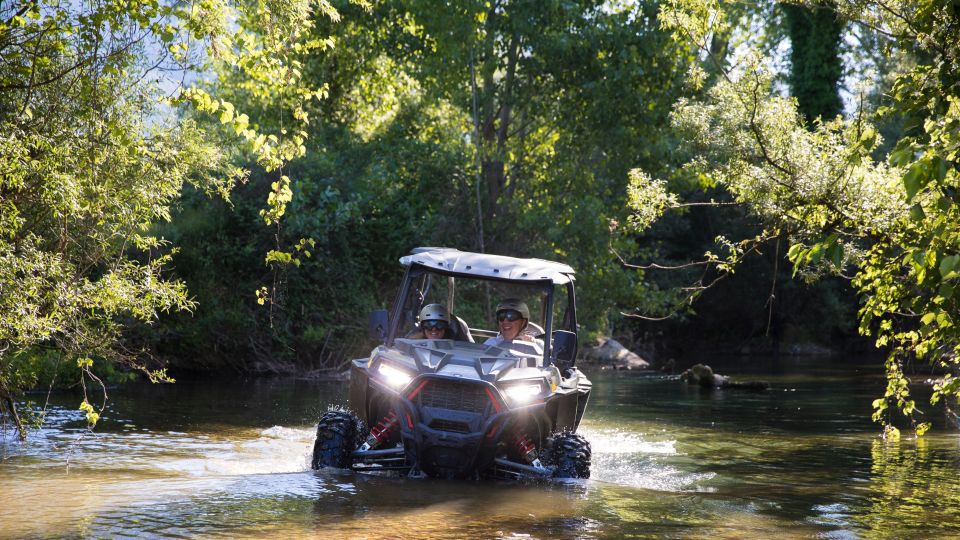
{"points": [[91, 157], [892, 220], [498, 127]]}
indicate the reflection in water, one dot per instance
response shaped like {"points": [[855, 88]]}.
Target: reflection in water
{"points": [[915, 487], [231, 460]]}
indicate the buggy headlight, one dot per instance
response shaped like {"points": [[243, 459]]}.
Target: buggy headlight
{"points": [[522, 393], [395, 377]]}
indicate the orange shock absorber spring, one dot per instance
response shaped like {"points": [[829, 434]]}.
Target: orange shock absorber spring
{"points": [[381, 432]]}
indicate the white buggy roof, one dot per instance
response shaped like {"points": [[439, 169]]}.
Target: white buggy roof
{"points": [[449, 260]]}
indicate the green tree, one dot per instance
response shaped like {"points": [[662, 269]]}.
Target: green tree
{"points": [[363, 202], [540, 86], [92, 153], [760, 306], [892, 222], [399, 156]]}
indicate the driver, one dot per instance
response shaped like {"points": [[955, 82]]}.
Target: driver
{"points": [[512, 318], [434, 323]]}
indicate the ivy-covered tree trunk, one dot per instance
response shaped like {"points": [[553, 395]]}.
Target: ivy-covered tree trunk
{"points": [[815, 63]]}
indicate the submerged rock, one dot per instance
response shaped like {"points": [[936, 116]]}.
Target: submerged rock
{"points": [[703, 376]]}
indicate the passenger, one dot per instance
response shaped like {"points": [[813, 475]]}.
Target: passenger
{"points": [[434, 323], [513, 316]]}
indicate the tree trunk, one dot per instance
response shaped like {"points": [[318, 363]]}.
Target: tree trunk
{"points": [[816, 66], [8, 406], [497, 113]]}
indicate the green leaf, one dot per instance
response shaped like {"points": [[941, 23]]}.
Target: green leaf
{"points": [[280, 257], [794, 250], [944, 320], [946, 291], [91, 413], [948, 265], [835, 252], [901, 155], [916, 212], [915, 179], [868, 137], [816, 253], [240, 124], [940, 168]]}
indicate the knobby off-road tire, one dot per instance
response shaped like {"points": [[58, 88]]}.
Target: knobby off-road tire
{"points": [[338, 433], [570, 455]]}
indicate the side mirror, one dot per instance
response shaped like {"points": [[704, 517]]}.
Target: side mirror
{"points": [[564, 348], [378, 321]]}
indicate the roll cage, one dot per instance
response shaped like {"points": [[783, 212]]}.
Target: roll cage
{"points": [[552, 282]]}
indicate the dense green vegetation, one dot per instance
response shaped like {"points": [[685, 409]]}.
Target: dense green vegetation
{"points": [[498, 128], [92, 154], [890, 222], [228, 185]]}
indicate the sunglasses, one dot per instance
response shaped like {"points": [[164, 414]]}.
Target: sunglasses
{"points": [[509, 315], [434, 325]]}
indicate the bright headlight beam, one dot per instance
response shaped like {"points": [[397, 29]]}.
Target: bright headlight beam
{"points": [[522, 393], [394, 376]]}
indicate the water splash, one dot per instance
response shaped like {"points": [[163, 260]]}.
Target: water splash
{"points": [[617, 441], [275, 450], [631, 459]]}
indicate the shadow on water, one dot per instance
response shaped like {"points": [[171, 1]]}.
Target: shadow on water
{"points": [[208, 459]]}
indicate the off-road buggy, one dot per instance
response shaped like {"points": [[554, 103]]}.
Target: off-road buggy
{"points": [[456, 408]]}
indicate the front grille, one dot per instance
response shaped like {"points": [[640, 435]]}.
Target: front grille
{"points": [[454, 396], [448, 425]]}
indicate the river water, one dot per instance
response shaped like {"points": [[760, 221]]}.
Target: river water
{"points": [[207, 459]]}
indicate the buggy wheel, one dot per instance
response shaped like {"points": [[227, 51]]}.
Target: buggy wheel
{"points": [[337, 435], [570, 456]]}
